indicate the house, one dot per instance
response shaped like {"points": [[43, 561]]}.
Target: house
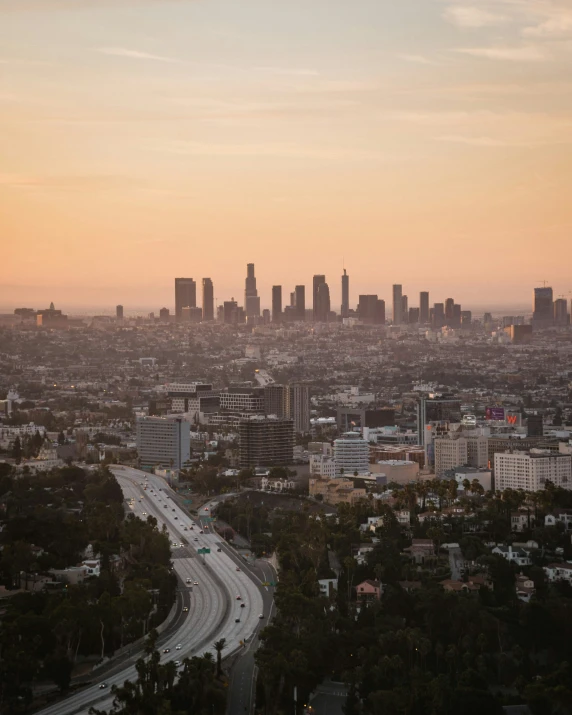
{"points": [[521, 520], [372, 523], [277, 485], [559, 572], [520, 557], [369, 590], [403, 517], [460, 586], [421, 549], [410, 586], [559, 516], [360, 552], [328, 586], [524, 588]]}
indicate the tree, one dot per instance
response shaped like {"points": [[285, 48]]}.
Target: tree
{"points": [[219, 647], [17, 450], [61, 438]]}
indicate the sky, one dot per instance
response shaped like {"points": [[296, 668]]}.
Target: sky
{"points": [[422, 142]]}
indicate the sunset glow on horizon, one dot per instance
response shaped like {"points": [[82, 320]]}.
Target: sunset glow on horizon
{"points": [[427, 143]]}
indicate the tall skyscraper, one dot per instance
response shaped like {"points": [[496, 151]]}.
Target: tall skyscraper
{"points": [[300, 302], [345, 295], [371, 310], [322, 312], [543, 315], [208, 299], [276, 304], [300, 407], [119, 312], [424, 307], [561, 311], [449, 310], [397, 303], [438, 315], [404, 309], [185, 295], [251, 299], [318, 281], [164, 315], [457, 315]]}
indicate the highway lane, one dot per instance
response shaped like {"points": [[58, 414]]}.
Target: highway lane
{"points": [[213, 607]]}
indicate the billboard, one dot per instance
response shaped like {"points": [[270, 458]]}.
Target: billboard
{"points": [[494, 413]]}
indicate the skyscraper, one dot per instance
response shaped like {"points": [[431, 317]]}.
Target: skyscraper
{"points": [[404, 309], [208, 299], [543, 315], [119, 312], [397, 296], [276, 304], [300, 302], [185, 295], [449, 310], [424, 307], [345, 295], [322, 312], [318, 281], [561, 311], [438, 315], [251, 299]]}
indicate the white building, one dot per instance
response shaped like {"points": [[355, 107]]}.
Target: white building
{"points": [[351, 454], [277, 485], [559, 572], [163, 441], [400, 471], [450, 452], [531, 470], [322, 466], [520, 557]]}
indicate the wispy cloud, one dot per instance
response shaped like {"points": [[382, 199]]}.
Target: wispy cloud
{"points": [[417, 59], [527, 53], [472, 141], [471, 16], [288, 71], [134, 54]]}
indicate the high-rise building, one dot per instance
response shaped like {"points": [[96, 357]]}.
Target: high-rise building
{"points": [[276, 304], [185, 295], [251, 299], [322, 313], [119, 312], [380, 312], [450, 452], [265, 441], [413, 316], [530, 471], [208, 299], [164, 315], [449, 309], [438, 315], [318, 281], [230, 312], [424, 307], [561, 311], [345, 295], [456, 315], [163, 441], [543, 315], [300, 302], [367, 308], [404, 309], [466, 318], [277, 400], [397, 303], [351, 454], [300, 408]]}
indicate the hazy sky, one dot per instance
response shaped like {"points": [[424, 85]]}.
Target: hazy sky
{"points": [[427, 142]]}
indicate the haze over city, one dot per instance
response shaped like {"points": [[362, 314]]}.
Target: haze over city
{"points": [[425, 143]]}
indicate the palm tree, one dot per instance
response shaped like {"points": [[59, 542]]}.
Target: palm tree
{"points": [[219, 647]]}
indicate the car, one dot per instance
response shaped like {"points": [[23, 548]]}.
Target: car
{"points": [[166, 650], [206, 508], [196, 538], [144, 513], [219, 550], [185, 609], [192, 528], [172, 510], [202, 532], [176, 517], [165, 507], [178, 646], [185, 529], [237, 620], [177, 663], [195, 583], [102, 686], [189, 580], [237, 568], [238, 598], [261, 615], [242, 605]]}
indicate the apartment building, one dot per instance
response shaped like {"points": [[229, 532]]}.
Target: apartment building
{"points": [[531, 470], [450, 451], [163, 441]]}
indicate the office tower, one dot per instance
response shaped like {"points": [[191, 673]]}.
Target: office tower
{"points": [[318, 281], [251, 299], [397, 303], [196, 314], [208, 299], [404, 309], [300, 408], [322, 311], [185, 315], [424, 307], [300, 302], [380, 312], [449, 308], [466, 318], [438, 315], [119, 312], [450, 452], [413, 316], [351, 454], [535, 426], [163, 441], [456, 315], [185, 295], [266, 316], [230, 312], [265, 441], [164, 315], [561, 311], [277, 400], [488, 319], [367, 308], [293, 299], [194, 399], [220, 313], [543, 315], [276, 304], [530, 471], [345, 295], [436, 408]]}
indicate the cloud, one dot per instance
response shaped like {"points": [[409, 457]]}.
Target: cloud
{"points": [[528, 53], [134, 54], [288, 71], [473, 17], [80, 182], [417, 59], [472, 141], [288, 151]]}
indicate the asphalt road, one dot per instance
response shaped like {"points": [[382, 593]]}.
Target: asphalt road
{"points": [[212, 602]]}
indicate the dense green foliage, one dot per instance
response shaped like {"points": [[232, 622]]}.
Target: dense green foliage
{"points": [[161, 689], [49, 522]]}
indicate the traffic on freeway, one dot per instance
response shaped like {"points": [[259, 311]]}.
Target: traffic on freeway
{"points": [[219, 599]]}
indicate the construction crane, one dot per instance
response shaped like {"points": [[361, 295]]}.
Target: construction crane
{"points": [[543, 281]]}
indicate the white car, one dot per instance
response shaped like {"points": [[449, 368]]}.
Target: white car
{"points": [[178, 647], [177, 663]]}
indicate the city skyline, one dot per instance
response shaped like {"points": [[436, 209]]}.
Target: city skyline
{"points": [[141, 136]]}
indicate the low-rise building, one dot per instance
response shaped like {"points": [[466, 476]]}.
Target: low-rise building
{"points": [[518, 556], [559, 572], [369, 590]]}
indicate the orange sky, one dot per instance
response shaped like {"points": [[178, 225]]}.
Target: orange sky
{"points": [[428, 144]]}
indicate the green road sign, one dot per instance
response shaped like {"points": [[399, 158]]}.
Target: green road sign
{"points": [[204, 550], [272, 583], [207, 518]]}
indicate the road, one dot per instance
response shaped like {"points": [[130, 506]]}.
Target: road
{"points": [[211, 596]]}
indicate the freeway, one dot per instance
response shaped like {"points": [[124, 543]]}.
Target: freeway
{"points": [[222, 600]]}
